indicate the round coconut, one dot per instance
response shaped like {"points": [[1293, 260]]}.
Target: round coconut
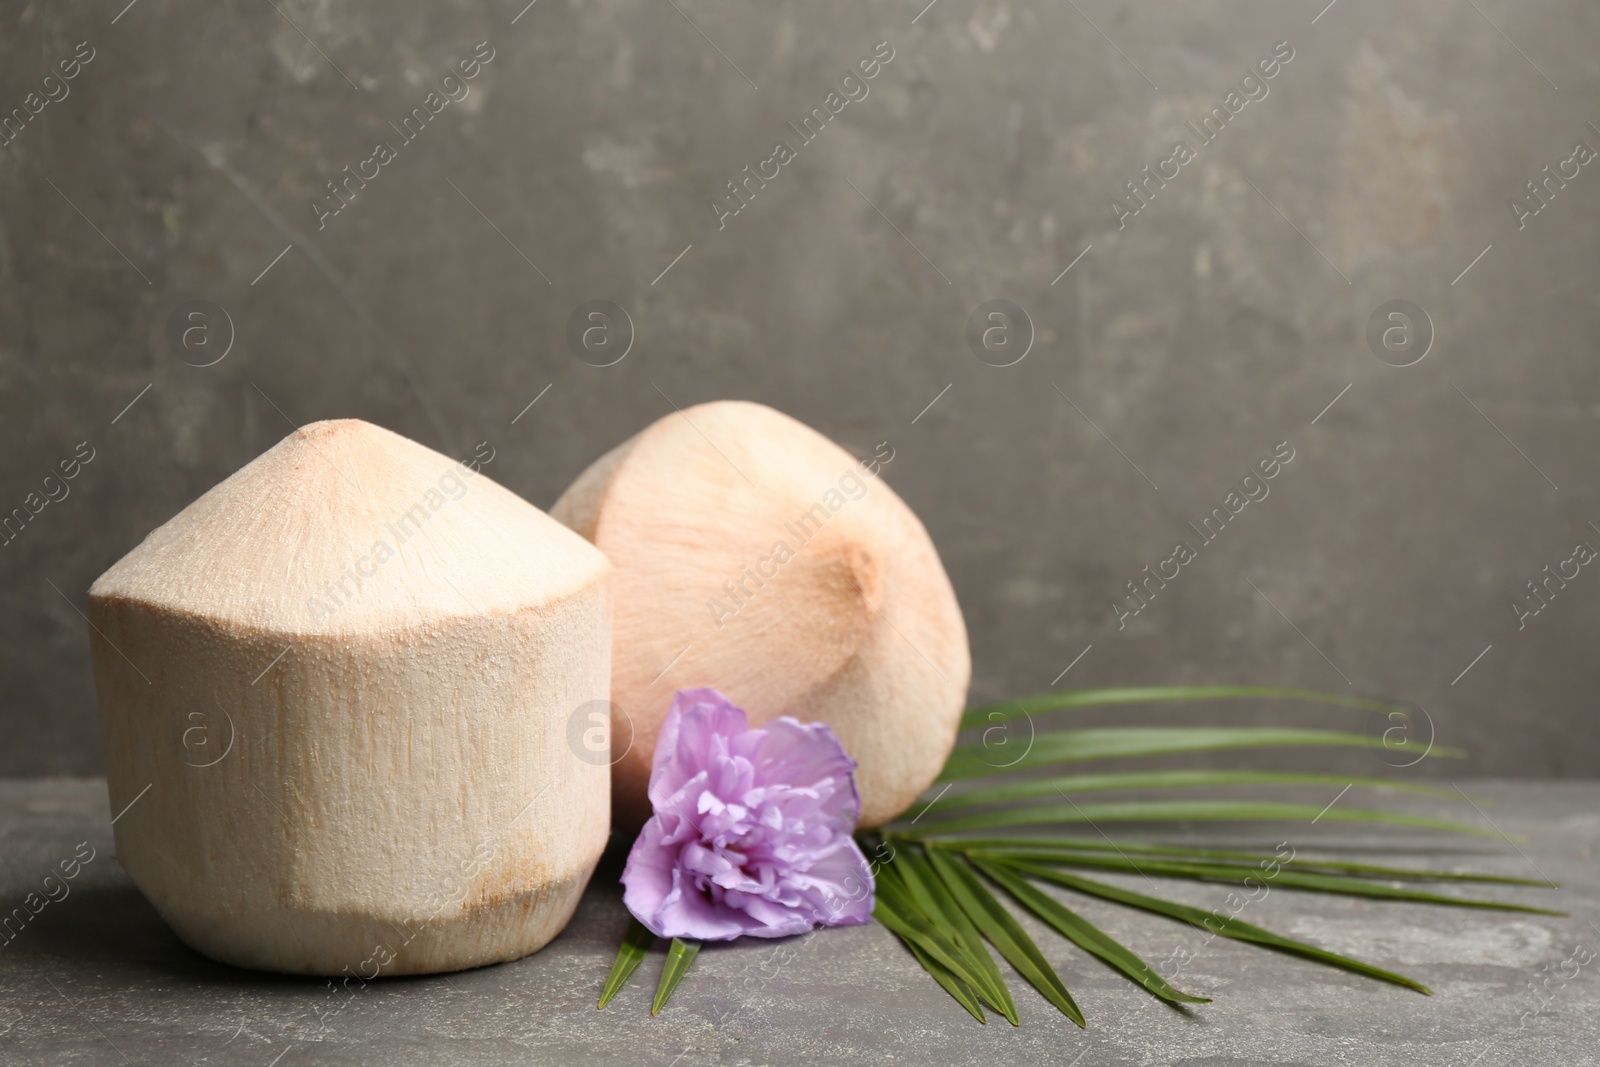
{"points": [[753, 555]]}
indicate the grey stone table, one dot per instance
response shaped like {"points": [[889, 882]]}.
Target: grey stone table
{"points": [[96, 978]]}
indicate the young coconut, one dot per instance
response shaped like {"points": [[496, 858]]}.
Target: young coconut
{"points": [[757, 557], [336, 693]]}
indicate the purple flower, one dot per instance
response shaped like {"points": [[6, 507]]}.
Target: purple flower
{"points": [[751, 831]]}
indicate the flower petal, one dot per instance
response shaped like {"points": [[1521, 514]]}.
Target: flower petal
{"points": [[751, 831], [844, 880], [810, 754]]}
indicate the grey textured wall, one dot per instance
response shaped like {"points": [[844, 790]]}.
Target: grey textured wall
{"points": [[1184, 344]]}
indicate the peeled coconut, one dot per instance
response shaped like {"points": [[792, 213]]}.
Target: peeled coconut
{"points": [[336, 693], [755, 556]]}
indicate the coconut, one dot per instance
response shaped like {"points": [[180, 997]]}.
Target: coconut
{"points": [[336, 691], [755, 556]]}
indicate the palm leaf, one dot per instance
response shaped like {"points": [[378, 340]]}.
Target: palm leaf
{"points": [[1205, 920], [894, 908], [679, 958], [1002, 710], [1083, 933], [947, 978], [1004, 932], [1308, 880], [1184, 811], [935, 900], [1067, 746], [1050, 845], [1068, 785], [635, 943]]}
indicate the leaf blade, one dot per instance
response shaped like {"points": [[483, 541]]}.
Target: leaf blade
{"points": [[680, 956], [1186, 811], [1091, 783], [952, 984], [1004, 932], [935, 899], [1002, 710], [1233, 928], [1080, 844], [635, 945], [894, 908], [1085, 934], [1066, 746], [1289, 879]]}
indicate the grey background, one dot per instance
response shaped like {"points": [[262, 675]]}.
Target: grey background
{"points": [[1222, 320]]}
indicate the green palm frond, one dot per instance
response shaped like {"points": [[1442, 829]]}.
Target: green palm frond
{"points": [[1080, 931], [679, 957], [1222, 927], [1002, 831], [1001, 710], [936, 901], [896, 909], [1221, 857], [1186, 811], [953, 985], [999, 824], [1074, 784], [976, 759], [635, 944], [1003, 931], [1236, 875]]}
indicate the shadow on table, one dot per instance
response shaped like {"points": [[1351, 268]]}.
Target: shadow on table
{"points": [[115, 926]]}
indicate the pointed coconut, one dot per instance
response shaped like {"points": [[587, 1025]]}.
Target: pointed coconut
{"points": [[346, 675], [755, 556]]}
